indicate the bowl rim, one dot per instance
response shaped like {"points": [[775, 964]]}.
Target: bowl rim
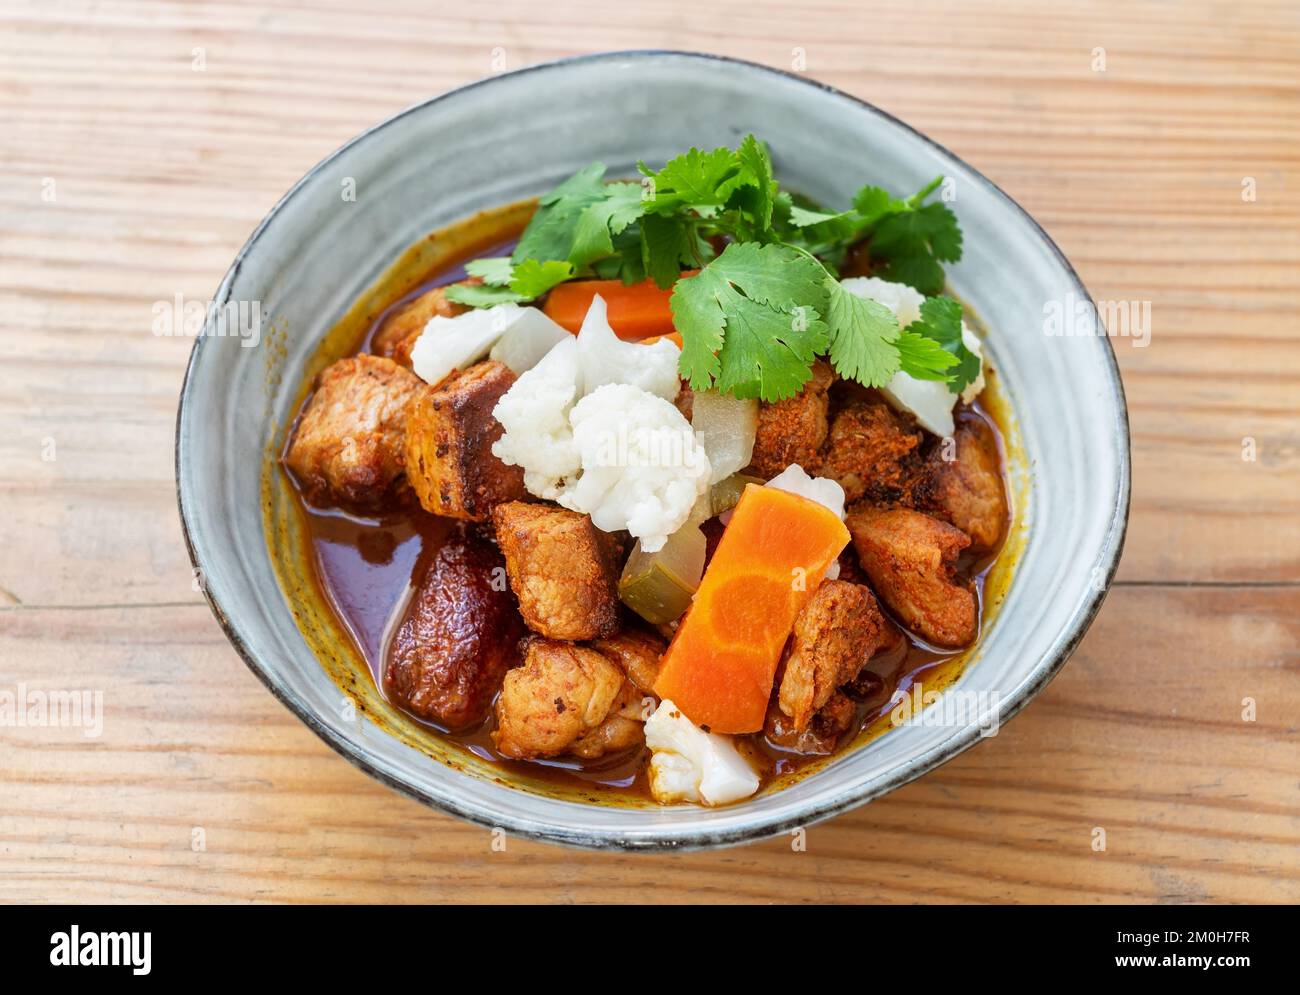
{"points": [[763, 828]]}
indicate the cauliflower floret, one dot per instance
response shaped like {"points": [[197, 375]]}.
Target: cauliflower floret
{"points": [[691, 765], [795, 480], [929, 400], [604, 358], [535, 415], [642, 468]]}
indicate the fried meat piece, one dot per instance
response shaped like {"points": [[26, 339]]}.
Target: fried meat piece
{"points": [[869, 450], [793, 430], [910, 559], [967, 491], [459, 637], [563, 569], [562, 694], [837, 632], [449, 435], [348, 447]]}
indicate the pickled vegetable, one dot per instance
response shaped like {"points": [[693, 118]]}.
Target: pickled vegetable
{"points": [[725, 426], [658, 586], [725, 494]]}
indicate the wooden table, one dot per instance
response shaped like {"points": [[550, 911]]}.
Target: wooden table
{"points": [[143, 141]]}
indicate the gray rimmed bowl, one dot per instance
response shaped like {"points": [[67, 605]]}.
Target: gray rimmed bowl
{"points": [[514, 136]]}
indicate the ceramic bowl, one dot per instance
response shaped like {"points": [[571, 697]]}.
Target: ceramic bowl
{"points": [[513, 136]]}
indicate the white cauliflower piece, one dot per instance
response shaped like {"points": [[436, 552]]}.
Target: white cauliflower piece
{"points": [[604, 358], [535, 414], [691, 765], [795, 480], [642, 468], [929, 400]]}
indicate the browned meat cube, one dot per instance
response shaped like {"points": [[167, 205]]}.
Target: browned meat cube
{"points": [[910, 559], [396, 337], [348, 446], [638, 652], [869, 450], [837, 632], [449, 436], [793, 430], [460, 635], [822, 733], [623, 728], [967, 491], [562, 693], [562, 568]]}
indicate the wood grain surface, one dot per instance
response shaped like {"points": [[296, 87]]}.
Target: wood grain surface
{"points": [[143, 141]]}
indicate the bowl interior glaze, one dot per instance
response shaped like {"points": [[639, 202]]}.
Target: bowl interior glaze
{"points": [[514, 136]]}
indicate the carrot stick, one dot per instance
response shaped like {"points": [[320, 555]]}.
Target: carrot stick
{"points": [[721, 664], [636, 311]]}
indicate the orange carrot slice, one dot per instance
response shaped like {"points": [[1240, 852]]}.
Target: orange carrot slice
{"points": [[636, 311], [721, 664]]}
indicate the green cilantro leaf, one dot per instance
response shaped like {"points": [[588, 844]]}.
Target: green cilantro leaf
{"points": [[495, 272], [940, 323], [923, 358], [532, 278], [666, 246], [550, 234], [696, 180], [507, 284], [757, 195], [751, 321], [481, 295], [619, 206], [909, 245], [863, 337]]}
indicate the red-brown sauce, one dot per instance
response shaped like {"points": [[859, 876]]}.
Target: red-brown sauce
{"points": [[367, 568]]}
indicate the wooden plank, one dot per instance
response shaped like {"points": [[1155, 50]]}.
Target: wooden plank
{"points": [[1196, 803]]}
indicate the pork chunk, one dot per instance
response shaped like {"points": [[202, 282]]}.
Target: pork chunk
{"points": [[793, 430], [638, 652], [623, 728], [967, 491], [837, 632], [821, 735], [449, 436], [460, 635], [349, 445], [563, 569], [560, 695], [869, 450], [910, 559], [396, 337]]}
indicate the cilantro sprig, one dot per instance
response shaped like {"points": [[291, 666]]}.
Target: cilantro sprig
{"points": [[766, 301]]}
